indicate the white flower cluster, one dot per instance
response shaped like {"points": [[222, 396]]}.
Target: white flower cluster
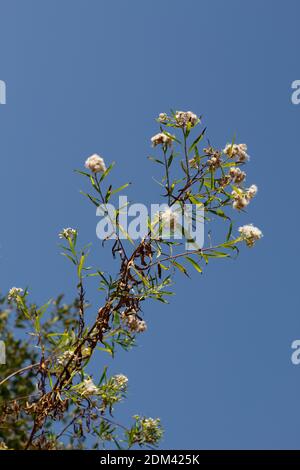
{"points": [[241, 199], [237, 150], [163, 117], [64, 358], [250, 234], [95, 163], [14, 293], [120, 381], [150, 430], [161, 138], [134, 323], [67, 355], [89, 388], [194, 162], [67, 233], [183, 118], [113, 391], [237, 175]]}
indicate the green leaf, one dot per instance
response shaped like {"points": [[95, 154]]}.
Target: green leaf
{"points": [[92, 180], [42, 310], [165, 268], [80, 265], [125, 233], [91, 198], [103, 376], [37, 324], [196, 141], [229, 231], [230, 243], [120, 188], [212, 179], [84, 173], [172, 137], [106, 173], [170, 160], [218, 254], [183, 167], [180, 267], [194, 264], [218, 212], [194, 200], [108, 194], [108, 349], [69, 257], [155, 160]]}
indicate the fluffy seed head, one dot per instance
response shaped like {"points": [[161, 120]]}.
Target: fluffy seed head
{"points": [[250, 234], [161, 138], [95, 163]]}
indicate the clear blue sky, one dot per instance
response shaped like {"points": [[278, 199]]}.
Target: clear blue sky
{"points": [[90, 76]]}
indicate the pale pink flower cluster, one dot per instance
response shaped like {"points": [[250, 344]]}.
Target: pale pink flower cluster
{"points": [[241, 198], [161, 138], [237, 175], [183, 118], [238, 151], [95, 163], [250, 234], [214, 161], [194, 162]]}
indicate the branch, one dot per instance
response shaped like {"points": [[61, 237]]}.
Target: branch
{"points": [[20, 371]]}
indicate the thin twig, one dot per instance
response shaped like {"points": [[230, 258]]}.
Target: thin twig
{"points": [[20, 371]]}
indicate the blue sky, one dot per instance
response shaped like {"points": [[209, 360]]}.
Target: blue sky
{"points": [[85, 77]]}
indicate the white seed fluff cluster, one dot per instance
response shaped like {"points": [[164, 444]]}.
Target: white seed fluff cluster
{"points": [[169, 217], [183, 118], [89, 388], [95, 163], [237, 175], [241, 199], [67, 233], [161, 138], [252, 191], [134, 323], [13, 293], [250, 234], [237, 150]]}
